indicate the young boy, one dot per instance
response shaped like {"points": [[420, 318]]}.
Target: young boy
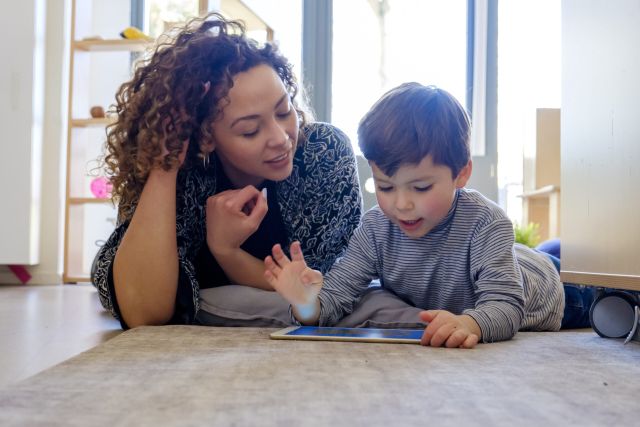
{"points": [[440, 247]]}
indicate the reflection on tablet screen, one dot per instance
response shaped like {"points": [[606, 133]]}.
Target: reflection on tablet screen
{"points": [[358, 332]]}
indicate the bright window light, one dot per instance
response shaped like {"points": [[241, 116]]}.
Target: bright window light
{"points": [[379, 44]]}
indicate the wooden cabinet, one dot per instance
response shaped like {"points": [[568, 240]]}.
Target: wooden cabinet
{"points": [[99, 62], [601, 143]]}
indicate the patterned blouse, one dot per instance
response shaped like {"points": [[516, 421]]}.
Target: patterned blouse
{"points": [[320, 203]]}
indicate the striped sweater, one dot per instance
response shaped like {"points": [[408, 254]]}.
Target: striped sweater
{"points": [[467, 264]]}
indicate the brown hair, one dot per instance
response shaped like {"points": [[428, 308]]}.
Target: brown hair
{"points": [[165, 103], [412, 121]]}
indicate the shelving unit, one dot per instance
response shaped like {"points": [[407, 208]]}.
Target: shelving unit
{"points": [[113, 45], [541, 184], [99, 63]]}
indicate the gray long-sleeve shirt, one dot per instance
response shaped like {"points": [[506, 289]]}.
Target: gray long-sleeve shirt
{"points": [[467, 264]]}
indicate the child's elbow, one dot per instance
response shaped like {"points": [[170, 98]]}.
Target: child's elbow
{"points": [[518, 320]]}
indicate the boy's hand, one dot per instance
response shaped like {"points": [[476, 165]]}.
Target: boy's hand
{"points": [[296, 282], [449, 329]]}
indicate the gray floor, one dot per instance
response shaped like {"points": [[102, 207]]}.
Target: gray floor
{"points": [[563, 378], [194, 375], [41, 326]]}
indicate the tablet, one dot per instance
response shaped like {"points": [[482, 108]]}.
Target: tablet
{"points": [[401, 336]]}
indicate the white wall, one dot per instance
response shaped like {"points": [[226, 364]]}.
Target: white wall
{"points": [[55, 70], [21, 111]]}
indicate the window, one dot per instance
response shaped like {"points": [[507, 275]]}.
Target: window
{"points": [[160, 15], [285, 18], [264, 19], [529, 60], [379, 44]]}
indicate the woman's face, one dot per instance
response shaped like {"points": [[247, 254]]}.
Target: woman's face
{"points": [[258, 132]]}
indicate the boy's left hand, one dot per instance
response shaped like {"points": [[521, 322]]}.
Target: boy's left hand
{"points": [[292, 278], [449, 329]]}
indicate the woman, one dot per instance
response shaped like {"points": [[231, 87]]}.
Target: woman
{"points": [[208, 123]]}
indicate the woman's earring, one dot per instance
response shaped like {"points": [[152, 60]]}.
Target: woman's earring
{"points": [[205, 160]]}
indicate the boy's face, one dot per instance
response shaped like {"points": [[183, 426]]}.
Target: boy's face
{"points": [[417, 197]]}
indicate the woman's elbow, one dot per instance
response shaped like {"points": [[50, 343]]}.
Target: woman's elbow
{"points": [[135, 319]]}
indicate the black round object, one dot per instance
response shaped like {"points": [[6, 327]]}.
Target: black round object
{"points": [[612, 314]]}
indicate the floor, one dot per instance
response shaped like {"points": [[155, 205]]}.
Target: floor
{"points": [[41, 326], [197, 376]]}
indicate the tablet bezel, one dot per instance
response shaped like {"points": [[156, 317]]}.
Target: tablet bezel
{"points": [[386, 337]]}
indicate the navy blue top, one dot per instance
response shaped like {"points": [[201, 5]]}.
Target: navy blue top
{"points": [[319, 204], [259, 244]]}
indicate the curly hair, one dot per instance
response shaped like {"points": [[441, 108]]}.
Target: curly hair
{"points": [[165, 102]]}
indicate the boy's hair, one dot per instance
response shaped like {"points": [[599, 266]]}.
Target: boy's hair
{"points": [[412, 121]]}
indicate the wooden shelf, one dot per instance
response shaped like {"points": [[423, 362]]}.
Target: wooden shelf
{"points": [[87, 200], [97, 68], [111, 45], [84, 123], [546, 191], [606, 280], [76, 279]]}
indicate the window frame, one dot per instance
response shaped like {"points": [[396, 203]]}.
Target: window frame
{"points": [[482, 24]]}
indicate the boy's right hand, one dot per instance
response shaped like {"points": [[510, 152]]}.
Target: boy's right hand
{"points": [[450, 330], [292, 278]]}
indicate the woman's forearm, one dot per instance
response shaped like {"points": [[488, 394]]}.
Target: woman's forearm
{"points": [[145, 270], [243, 269]]}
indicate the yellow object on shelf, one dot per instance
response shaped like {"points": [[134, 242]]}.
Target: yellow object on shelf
{"points": [[133, 33]]}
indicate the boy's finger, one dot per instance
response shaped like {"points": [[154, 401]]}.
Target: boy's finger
{"points": [[470, 342], [456, 339], [428, 315], [429, 331], [309, 277], [430, 318], [271, 266], [426, 338], [296, 252], [270, 278], [442, 335], [279, 256], [316, 276]]}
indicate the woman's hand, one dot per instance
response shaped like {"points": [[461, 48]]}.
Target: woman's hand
{"points": [[292, 278], [446, 328], [233, 216]]}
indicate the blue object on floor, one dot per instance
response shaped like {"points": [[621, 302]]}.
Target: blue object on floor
{"points": [[578, 299], [551, 246]]}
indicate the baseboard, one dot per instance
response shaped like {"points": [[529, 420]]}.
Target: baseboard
{"points": [[38, 278]]}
